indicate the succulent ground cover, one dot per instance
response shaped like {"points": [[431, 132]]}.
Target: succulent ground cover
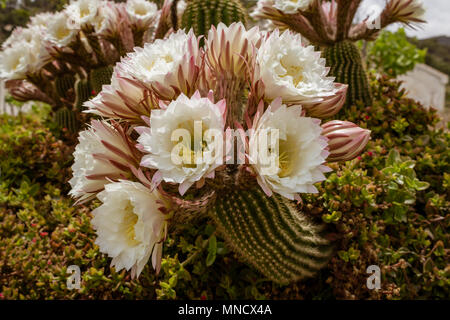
{"points": [[389, 207]]}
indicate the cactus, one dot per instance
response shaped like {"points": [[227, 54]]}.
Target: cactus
{"points": [[331, 24], [201, 14], [66, 118], [63, 84], [271, 234], [82, 92], [100, 76], [346, 64]]}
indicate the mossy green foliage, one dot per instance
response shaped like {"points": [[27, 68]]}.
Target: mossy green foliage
{"points": [[201, 14], [270, 234], [387, 208], [346, 64]]}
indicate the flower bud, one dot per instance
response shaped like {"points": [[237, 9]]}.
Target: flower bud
{"points": [[329, 106], [345, 140]]}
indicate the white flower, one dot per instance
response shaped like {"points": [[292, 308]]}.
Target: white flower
{"points": [[41, 20], [103, 153], [178, 162], [106, 20], [61, 30], [156, 60], [130, 226], [22, 35], [294, 72], [15, 61], [83, 12], [169, 66], [292, 6], [141, 12], [293, 163]]}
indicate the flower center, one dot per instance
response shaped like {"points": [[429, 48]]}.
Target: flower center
{"points": [[167, 59], [286, 158], [130, 221], [84, 12], [190, 159], [62, 33], [15, 63], [140, 11], [293, 71]]}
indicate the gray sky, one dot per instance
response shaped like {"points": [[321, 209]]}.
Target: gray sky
{"points": [[437, 16]]}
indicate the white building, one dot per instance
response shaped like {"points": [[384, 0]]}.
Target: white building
{"points": [[426, 85]]}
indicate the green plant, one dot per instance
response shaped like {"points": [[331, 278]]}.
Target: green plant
{"points": [[393, 54], [201, 14]]}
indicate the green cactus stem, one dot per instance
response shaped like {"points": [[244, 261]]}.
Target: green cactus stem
{"points": [[345, 61], [270, 234], [201, 14], [66, 118], [82, 93], [63, 84], [100, 76]]}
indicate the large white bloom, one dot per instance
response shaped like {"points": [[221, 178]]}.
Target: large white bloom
{"points": [[292, 6], [103, 153], [176, 161], [141, 12], [61, 30], [41, 20], [293, 163], [83, 12], [130, 226], [153, 62], [294, 72], [15, 61]]}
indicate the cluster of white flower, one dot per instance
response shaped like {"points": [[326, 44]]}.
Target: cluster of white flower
{"points": [[29, 49], [245, 80]]}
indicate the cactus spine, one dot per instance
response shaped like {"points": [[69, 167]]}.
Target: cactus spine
{"points": [[100, 76], [345, 61], [201, 14], [271, 235]]}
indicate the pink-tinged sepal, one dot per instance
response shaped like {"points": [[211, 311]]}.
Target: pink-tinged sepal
{"points": [[329, 106], [346, 140]]}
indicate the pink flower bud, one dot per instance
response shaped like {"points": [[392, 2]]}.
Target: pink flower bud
{"points": [[345, 140], [330, 105]]}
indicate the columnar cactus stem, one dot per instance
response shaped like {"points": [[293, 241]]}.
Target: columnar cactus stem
{"points": [[201, 14], [270, 234], [346, 64]]}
